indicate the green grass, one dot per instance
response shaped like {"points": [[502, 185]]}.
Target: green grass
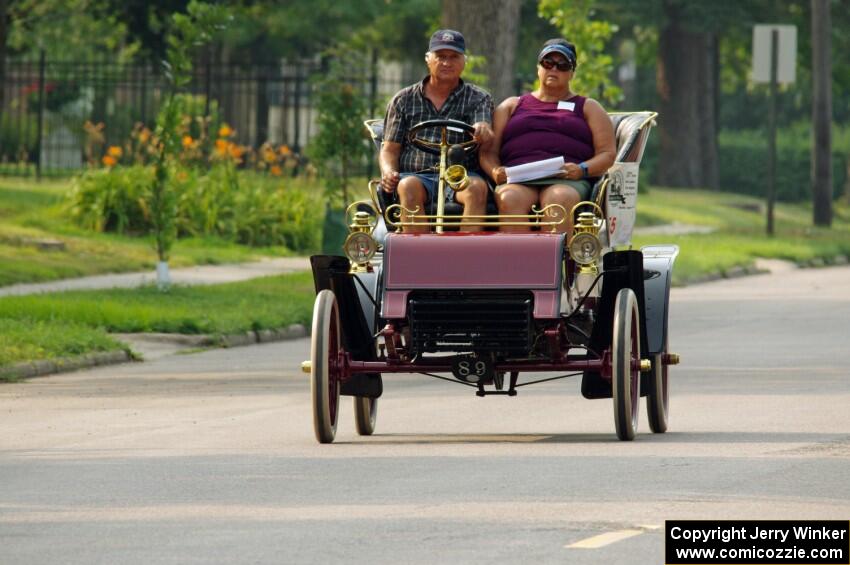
{"points": [[265, 303], [26, 340], [740, 235], [31, 212]]}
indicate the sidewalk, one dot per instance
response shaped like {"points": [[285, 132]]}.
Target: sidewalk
{"points": [[207, 274]]}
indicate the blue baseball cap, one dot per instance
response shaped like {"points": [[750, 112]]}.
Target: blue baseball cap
{"points": [[447, 39], [561, 47]]}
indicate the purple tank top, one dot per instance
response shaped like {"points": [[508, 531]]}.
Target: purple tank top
{"points": [[539, 130]]}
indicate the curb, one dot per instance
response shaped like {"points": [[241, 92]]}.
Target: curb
{"points": [[45, 367]]}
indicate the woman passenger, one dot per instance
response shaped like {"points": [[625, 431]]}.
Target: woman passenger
{"points": [[551, 121]]}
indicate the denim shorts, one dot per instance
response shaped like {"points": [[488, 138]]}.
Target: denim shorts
{"points": [[429, 181]]}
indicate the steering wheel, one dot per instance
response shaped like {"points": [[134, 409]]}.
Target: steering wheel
{"points": [[469, 144]]}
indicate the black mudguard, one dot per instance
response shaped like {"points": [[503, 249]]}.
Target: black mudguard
{"points": [[623, 269], [331, 272]]}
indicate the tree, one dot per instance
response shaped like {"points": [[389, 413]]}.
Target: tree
{"points": [[573, 19], [688, 91], [821, 113], [187, 33], [491, 29], [3, 27]]}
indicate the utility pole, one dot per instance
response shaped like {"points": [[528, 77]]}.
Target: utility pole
{"points": [[821, 113]]}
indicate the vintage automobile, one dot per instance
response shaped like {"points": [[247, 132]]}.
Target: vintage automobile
{"points": [[443, 303]]}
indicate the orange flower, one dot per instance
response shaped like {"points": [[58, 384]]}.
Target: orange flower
{"points": [[187, 141], [221, 147], [115, 152], [285, 151], [276, 170], [109, 160], [269, 156], [144, 135], [235, 151], [225, 131]]}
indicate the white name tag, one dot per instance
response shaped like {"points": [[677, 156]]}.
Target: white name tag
{"points": [[564, 105]]}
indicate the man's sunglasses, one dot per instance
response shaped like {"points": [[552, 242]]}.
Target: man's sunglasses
{"points": [[562, 66]]}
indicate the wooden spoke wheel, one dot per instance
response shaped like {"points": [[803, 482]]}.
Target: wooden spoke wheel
{"points": [[625, 364], [658, 394], [326, 356], [365, 413]]}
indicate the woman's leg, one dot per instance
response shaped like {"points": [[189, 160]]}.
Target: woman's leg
{"points": [[515, 199], [564, 195]]}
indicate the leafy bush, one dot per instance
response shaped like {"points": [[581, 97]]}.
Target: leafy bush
{"points": [[18, 136], [241, 206], [744, 160]]}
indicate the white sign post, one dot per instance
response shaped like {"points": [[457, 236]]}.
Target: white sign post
{"points": [[774, 61]]}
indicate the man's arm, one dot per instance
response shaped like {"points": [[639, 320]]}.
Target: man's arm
{"points": [[394, 131], [482, 117], [388, 160]]}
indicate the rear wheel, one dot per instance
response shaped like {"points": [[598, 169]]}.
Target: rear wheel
{"points": [[365, 414], [658, 395], [326, 366], [625, 364]]}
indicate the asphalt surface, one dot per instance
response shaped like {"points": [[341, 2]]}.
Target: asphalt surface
{"points": [[210, 457]]}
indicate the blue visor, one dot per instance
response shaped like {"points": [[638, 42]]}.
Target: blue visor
{"points": [[557, 48]]}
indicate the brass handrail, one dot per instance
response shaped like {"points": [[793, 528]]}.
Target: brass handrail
{"points": [[537, 218]]}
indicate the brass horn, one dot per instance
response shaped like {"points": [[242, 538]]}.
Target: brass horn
{"points": [[457, 178]]}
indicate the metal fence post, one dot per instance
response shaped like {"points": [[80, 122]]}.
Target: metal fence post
{"points": [[41, 101]]}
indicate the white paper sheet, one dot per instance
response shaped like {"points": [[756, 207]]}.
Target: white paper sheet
{"points": [[536, 170]]}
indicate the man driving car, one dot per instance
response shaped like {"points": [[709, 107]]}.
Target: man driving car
{"points": [[442, 95]]}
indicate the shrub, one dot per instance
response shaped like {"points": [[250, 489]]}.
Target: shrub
{"points": [[744, 160], [112, 200], [241, 206], [18, 137]]}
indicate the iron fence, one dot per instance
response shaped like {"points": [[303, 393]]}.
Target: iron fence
{"points": [[45, 105]]}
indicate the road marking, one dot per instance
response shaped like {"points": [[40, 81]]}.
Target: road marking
{"points": [[604, 539]]}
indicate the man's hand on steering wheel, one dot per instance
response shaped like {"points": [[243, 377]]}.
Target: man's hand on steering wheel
{"points": [[483, 133]]}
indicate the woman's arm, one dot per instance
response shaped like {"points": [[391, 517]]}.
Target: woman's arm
{"points": [[489, 154], [604, 146]]}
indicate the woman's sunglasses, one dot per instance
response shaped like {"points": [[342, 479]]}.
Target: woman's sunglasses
{"points": [[562, 66]]}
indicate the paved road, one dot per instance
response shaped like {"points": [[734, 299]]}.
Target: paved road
{"points": [[210, 457]]}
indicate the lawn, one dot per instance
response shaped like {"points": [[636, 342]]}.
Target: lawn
{"points": [[48, 326], [38, 242], [740, 236]]}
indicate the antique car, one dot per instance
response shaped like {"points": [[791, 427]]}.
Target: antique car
{"points": [[442, 303]]}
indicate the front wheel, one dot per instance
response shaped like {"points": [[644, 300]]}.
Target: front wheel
{"points": [[658, 395], [625, 364], [365, 414], [326, 366]]}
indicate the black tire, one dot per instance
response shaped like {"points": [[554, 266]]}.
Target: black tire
{"points": [[625, 359], [365, 414], [325, 351], [658, 395]]}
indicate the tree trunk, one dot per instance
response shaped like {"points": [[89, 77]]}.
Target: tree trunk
{"points": [[491, 29], [686, 82], [821, 113], [3, 10]]}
